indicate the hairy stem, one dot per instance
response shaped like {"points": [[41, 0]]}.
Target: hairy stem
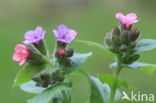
{"points": [[117, 72]]}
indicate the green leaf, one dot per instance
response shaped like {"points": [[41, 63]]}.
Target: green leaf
{"points": [[146, 45], [31, 87], [24, 75], [106, 78], [110, 80], [125, 84], [93, 44], [148, 68], [47, 95], [78, 59], [99, 91]]}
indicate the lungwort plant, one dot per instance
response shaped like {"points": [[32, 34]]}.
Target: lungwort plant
{"points": [[46, 74]]}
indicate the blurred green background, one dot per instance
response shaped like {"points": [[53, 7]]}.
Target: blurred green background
{"points": [[92, 19]]}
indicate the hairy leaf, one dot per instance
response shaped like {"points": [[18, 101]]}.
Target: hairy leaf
{"points": [[31, 87], [110, 80], [77, 59], [47, 95], [24, 75], [125, 84], [146, 45], [106, 78], [148, 68], [99, 91], [93, 44]]}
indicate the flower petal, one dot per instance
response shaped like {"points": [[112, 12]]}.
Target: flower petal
{"points": [[38, 29], [19, 47], [34, 36], [15, 57], [120, 16], [26, 42], [28, 35], [131, 16], [22, 61], [71, 35], [62, 29], [56, 33]]}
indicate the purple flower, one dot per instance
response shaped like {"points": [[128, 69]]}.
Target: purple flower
{"points": [[127, 20], [64, 35], [34, 36]]}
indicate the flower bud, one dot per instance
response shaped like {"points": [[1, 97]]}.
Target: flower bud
{"points": [[134, 34], [68, 63], [123, 48], [61, 52], [135, 57], [116, 31], [125, 37], [42, 84], [116, 36], [131, 58], [113, 49], [42, 79], [45, 76], [108, 40], [132, 45], [57, 76], [70, 52], [36, 78]]}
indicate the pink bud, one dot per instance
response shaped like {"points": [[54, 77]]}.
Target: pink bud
{"points": [[61, 52]]}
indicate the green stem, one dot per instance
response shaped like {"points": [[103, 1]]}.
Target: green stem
{"points": [[117, 72], [65, 97], [48, 61]]}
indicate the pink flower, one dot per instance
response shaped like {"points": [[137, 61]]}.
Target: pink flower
{"points": [[21, 54], [127, 20]]}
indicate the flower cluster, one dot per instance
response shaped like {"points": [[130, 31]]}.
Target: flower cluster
{"points": [[122, 39], [34, 52], [50, 72], [23, 53], [35, 37]]}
